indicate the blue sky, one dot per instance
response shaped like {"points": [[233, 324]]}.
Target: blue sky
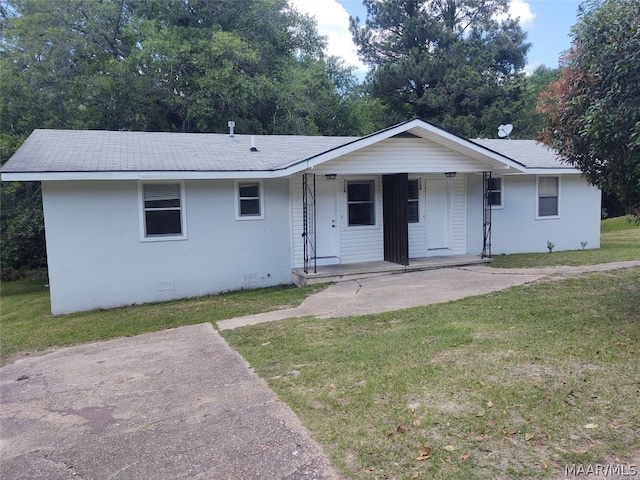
{"points": [[547, 23], [549, 30]]}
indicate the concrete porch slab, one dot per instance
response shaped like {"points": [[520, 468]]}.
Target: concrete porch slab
{"points": [[353, 271]]}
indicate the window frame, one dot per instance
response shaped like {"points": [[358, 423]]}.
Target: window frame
{"points": [[538, 197], [372, 202], [415, 200], [501, 190], [142, 209], [238, 200]]}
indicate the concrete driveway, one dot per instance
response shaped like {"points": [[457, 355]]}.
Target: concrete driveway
{"points": [[181, 404], [173, 404], [405, 290]]}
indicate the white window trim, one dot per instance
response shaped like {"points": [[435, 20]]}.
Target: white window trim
{"points": [[183, 213], [547, 217], [418, 200], [501, 206], [236, 193], [376, 222]]}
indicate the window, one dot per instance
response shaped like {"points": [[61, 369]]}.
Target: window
{"points": [[162, 210], [548, 195], [249, 205], [413, 213], [360, 202], [494, 192]]}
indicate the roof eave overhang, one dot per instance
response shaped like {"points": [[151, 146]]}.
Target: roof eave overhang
{"points": [[553, 171], [158, 175]]}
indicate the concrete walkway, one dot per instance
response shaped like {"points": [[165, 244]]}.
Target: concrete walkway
{"points": [[412, 289], [181, 404], [173, 404]]}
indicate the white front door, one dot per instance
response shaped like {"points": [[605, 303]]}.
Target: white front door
{"points": [[327, 225], [438, 216]]}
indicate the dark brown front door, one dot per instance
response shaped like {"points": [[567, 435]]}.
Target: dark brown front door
{"points": [[394, 215]]}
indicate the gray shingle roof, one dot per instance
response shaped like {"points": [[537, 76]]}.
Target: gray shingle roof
{"points": [[530, 153], [73, 151], [106, 151]]}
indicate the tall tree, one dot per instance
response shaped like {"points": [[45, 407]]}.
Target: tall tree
{"points": [[160, 65], [528, 122], [447, 61], [593, 110], [165, 65]]}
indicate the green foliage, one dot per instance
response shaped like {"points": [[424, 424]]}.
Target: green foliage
{"points": [[593, 110], [451, 63], [529, 123], [162, 65], [21, 227], [167, 65]]}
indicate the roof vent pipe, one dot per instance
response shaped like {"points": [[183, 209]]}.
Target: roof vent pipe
{"points": [[253, 144], [231, 124]]}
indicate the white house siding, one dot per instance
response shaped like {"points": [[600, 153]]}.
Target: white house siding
{"points": [[361, 243], [474, 203], [366, 244], [459, 215], [515, 228], [297, 241], [401, 155], [418, 231], [357, 244], [87, 221]]}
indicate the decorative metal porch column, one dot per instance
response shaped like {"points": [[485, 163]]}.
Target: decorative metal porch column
{"points": [[486, 215], [309, 221]]}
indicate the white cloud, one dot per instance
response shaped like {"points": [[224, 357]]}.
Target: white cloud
{"points": [[521, 9], [333, 22], [530, 67]]}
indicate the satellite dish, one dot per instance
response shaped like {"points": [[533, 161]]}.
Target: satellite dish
{"points": [[505, 130]]}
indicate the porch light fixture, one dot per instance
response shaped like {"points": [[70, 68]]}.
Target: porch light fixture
{"points": [[449, 174], [330, 176]]}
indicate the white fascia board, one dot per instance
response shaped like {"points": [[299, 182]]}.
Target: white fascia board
{"points": [[553, 171], [178, 175], [209, 175]]}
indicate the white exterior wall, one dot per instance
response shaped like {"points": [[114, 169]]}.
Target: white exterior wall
{"points": [[418, 231], [515, 226], [361, 243], [366, 243], [356, 244], [97, 259], [474, 214]]}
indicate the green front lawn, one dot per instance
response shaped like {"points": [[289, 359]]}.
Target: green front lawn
{"points": [[515, 384], [26, 323], [619, 242]]}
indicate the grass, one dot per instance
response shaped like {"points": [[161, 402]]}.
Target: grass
{"points": [[26, 323], [619, 241], [515, 384]]}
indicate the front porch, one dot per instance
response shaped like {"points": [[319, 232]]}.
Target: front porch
{"points": [[351, 271]]}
